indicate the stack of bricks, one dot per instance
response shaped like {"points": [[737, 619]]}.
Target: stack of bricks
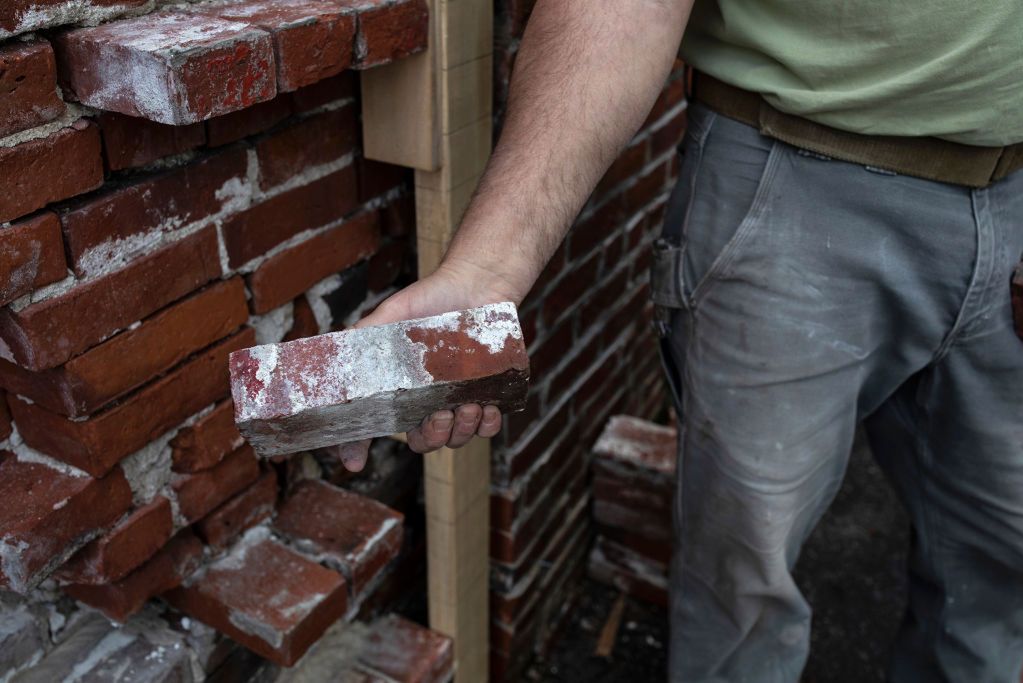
{"points": [[176, 183], [633, 481], [593, 353]]}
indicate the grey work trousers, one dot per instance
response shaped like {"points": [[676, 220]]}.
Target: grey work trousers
{"points": [[798, 296]]}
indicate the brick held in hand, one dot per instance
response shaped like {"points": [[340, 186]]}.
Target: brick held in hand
{"points": [[374, 381]]}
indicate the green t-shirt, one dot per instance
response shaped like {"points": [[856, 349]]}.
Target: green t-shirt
{"points": [[946, 68]]}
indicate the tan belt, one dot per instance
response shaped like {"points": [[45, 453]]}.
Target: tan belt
{"points": [[922, 157]]}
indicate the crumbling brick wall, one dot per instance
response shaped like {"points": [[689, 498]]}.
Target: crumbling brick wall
{"points": [[181, 179], [593, 354]]}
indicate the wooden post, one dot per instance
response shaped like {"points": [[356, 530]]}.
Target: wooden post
{"points": [[433, 113]]}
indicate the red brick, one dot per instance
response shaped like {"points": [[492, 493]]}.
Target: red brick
{"points": [[304, 322], [260, 228], [669, 135], [184, 68], [124, 362], [406, 652], [319, 139], [268, 598], [117, 553], [628, 164], [287, 274], [168, 201], [36, 172], [48, 515], [391, 30], [31, 255], [165, 570], [200, 493], [641, 193], [28, 81], [386, 266], [629, 572], [571, 290], [1017, 299], [245, 510], [638, 445], [334, 89], [48, 333], [19, 16], [376, 178], [130, 142], [232, 127], [374, 381], [204, 444], [353, 534], [398, 218], [313, 39], [96, 444], [5, 418]]}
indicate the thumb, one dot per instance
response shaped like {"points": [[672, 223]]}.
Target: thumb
{"points": [[352, 455]]}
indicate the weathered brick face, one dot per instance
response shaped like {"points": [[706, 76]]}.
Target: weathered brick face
{"points": [[182, 180]]}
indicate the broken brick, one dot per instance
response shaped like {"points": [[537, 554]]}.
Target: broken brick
{"points": [[122, 363], [245, 510], [36, 172], [354, 534], [48, 333], [116, 553], [31, 256], [374, 381], [96, 444], [265, 596], [205, 443], [165, 570], [28, 81], [200, 493], [406, 652], [313, 39], [48, 515], [167, 67]]}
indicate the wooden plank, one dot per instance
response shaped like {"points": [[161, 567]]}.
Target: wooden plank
{"points": [[399, 115]]}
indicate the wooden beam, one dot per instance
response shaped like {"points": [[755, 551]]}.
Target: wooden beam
{"points": [[434, 115]]}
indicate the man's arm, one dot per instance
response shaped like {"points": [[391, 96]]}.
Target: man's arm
{"points": [[586, 76]]}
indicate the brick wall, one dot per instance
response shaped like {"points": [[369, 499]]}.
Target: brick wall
{"points": [[179, 180], [593, 354]]}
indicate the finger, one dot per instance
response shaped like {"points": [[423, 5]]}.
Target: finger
{"points": [[415, 439], [490, 424], [354, 455], [437, 429], [467, 419]]}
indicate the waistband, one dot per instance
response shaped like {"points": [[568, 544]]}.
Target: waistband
{"points": [[922, 157]]}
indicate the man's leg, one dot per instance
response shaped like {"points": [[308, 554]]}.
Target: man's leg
{"points": [[806, 291], [952, 440]]}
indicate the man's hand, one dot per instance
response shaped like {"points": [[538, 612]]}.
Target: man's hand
{"points": [[447, 289]]}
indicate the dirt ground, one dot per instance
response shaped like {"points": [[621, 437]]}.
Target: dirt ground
{"points": [[851, 570]]}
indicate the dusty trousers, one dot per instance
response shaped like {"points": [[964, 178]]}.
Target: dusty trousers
{"points": [[798, 296]]}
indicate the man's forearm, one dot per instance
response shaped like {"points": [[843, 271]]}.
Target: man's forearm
{"points": [[585, 77]]}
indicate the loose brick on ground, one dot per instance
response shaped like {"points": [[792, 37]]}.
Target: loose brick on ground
{"points": [[374, 381], [171, 68], [265, 596], [31, 256], [353, 534], [50, 332], [48, 515], [28, 81], [145, 210], [116, 553], [63, 164], [313, 39], [255, 231], [127, 360], [200, 493], [96, 444], [165, 570], [245, 510], [389, 31], [130, 142], [406, 652], [289, 273], [205, 443]]}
